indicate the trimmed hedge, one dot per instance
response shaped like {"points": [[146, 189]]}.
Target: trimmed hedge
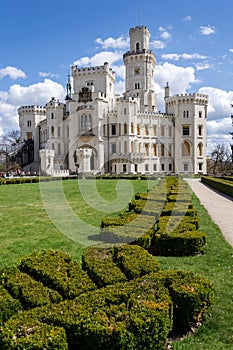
{"points": [[178, 243], [29, 292], [30, 334], [8, 305], [99, 265], [58, 271], [220, 184], [135, 314]]}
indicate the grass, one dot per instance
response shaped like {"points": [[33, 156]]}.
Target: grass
{"points": [[26, 226]]}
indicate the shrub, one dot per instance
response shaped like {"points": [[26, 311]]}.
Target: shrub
{"points": [[134, 261], [179, 243], [30, 335], [30, 292], [99, 265], [8, 305], [56, 270], [191, 295]]}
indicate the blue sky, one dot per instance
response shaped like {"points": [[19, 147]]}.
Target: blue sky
{"points": [[192, 41]]}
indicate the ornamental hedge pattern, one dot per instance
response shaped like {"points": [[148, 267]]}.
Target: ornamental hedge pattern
{"points": [[118, 298]]}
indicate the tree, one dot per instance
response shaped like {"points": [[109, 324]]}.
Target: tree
{"points": [[220, 159], [9, 145]]}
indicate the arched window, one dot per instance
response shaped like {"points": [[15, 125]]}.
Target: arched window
{"points": [[186, 149], [137, 46], [52, 131], [200, 150]]}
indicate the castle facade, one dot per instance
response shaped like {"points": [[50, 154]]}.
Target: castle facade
{"points": [[96, 131]]}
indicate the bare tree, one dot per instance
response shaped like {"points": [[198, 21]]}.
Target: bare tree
{"points": [[221, 159]]}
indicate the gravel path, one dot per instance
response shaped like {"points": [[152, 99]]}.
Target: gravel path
{"points": [[219, 207]]}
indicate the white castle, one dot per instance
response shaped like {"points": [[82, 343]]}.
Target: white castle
{"points": [[97, 131]]}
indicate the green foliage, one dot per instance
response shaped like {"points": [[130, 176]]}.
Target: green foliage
{"points": [[31, 293], [8, 305], [98, 263], [134, 261], [58, 271], [30, 334], [223, 185]]}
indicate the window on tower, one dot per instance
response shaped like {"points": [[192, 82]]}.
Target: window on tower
{"points": [[86, 123], [185, 130], [137, 86], [137, 46], [136, 71]]}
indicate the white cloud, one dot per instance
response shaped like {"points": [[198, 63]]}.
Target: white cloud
{"points": [[17, 95], [180, 79], [157, 44], [207, 30], [99, 59], [48, 75], [231, 50], [219, 102], [187, 19], [13, 72], [184, 56], [118, 43], [202, 66], [165, 35]]}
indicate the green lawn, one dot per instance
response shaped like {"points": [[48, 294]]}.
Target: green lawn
{"points": [[26, 226]]}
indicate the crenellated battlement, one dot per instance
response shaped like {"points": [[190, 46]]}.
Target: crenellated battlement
{"points": [[33, 109], [96, 70]]}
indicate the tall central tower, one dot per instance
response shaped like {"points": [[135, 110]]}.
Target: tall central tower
{"points": [[140, 64]]}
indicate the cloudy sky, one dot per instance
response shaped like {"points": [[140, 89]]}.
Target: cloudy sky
{"points": [[192, 41]]}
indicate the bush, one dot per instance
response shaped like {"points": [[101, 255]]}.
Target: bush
{"points": [[191, 295], [31, 335], [179, 243], [134, 261], [30, 292], [8, 305], [99, 265], [58, 271]]}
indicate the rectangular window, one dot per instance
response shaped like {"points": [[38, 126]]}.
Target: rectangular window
{"points": [[170, 131], [155, 149], [113, 129], [185, 130], [125, 111], [132, 128], [162, 131], [146, 167], [138, 129], [200, 130], [170, 150], [29, 123], [147, 149], [162, 167], [200, 166], [125, 128], [29, 136], [124, 168], [113, 147], [186, 167], [200, 114], [162, 150], [155, 167], [170, 166]]}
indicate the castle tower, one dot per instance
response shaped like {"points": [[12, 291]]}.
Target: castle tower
{"points": [[140, 64], [190, 113]]}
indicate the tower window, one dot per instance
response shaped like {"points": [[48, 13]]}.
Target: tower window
{"points": [[137, 46], [86, 122], [136, 71], [185, 130], [200, 114], [137, 86], [113, 130], [52, 116]]}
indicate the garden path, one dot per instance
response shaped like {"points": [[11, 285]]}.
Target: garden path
{"points": [[219, 207]]}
